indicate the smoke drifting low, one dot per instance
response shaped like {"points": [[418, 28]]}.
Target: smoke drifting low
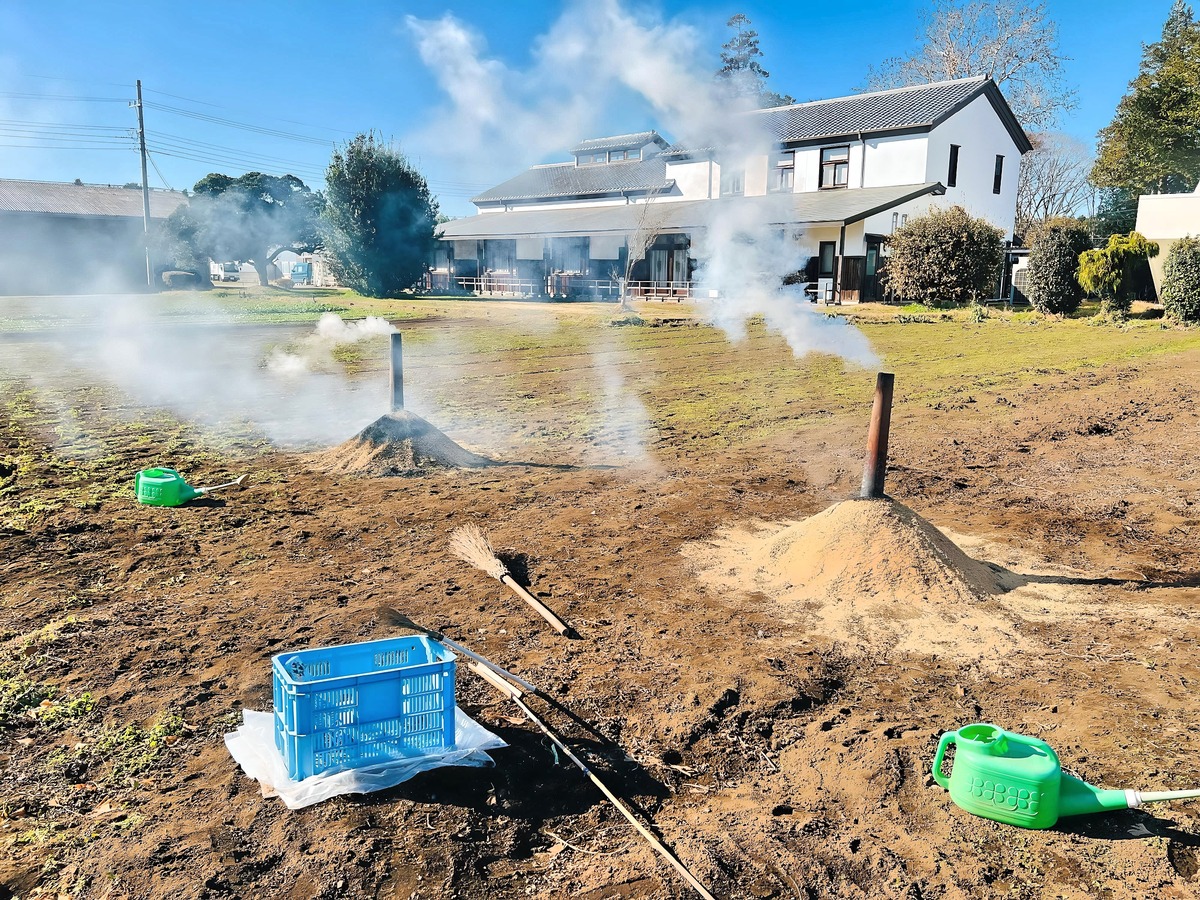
{"points": [[314, 352], [211, 370], [602, 62]]}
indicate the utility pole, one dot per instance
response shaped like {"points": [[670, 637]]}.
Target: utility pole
{"points": [[145, 188]]}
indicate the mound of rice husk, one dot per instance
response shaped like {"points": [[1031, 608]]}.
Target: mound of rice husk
{"points": [[871, 575], [399, 443]]}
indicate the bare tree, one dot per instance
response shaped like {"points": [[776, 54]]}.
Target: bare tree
{"points": [[1054, 181], [640, 240], [1013, 42]]}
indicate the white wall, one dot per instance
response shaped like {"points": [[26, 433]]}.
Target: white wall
{"points": [[980, 135], [894, 160], [694, 179], [1166, 218]]}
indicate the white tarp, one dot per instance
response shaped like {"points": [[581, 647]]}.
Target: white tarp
{"points": [[607, 246], [530, 248], [253, 748]]}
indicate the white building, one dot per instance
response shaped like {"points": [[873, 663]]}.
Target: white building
{"points": [[1165, 218], [840, 175]]}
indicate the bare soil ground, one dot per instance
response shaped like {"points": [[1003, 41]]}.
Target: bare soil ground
{"points": [[777, 760]]}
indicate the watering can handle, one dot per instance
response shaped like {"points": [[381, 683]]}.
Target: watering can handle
{"points": [[948, 738], [1033, 742]]}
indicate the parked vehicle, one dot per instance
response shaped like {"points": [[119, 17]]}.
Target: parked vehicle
{"points": [[302, 273]]}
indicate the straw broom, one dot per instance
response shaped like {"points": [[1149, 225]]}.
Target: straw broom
{"points": [[470, 544]]}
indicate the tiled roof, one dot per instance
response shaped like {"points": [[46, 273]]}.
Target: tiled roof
{"points": [[918, 106], [569, 180], [804, 207], [66, 198], [619, 142]]}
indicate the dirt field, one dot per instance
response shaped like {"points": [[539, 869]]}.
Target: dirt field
{"points": [[776, 761]]}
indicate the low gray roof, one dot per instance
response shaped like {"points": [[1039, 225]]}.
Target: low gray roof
{"points": [[619, 141], [570, 180], [806, 207], [66, 198], [915, 107]]}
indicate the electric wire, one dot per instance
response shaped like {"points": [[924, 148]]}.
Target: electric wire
{"points": [[232, 109], [245, 126], [161, 176]]}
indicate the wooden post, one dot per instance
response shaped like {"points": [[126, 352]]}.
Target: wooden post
{"points": [[397, 373], [875, 468]]}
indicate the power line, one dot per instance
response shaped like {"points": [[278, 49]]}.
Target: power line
{"points": [[232, 109], [230, 123], [21, 95], [161, 176]]}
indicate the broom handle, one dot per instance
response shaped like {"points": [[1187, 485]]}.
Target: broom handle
{"points": [[515, 679], [654, 842], [542, 610], [515, 696]]}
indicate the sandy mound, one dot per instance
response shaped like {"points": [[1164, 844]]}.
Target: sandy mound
{"points": [[396, 444], [872, 575]]}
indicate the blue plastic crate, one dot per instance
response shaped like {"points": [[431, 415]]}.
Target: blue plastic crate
{"points": [[363, 704]]}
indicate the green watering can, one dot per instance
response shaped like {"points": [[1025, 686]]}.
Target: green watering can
{"points": [[1017, 780], [166, 487]]}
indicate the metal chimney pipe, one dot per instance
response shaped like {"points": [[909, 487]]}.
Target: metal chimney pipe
{"points": [[875, 468], [397, 373]]}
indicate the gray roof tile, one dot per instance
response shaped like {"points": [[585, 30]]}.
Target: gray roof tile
{"points": [[919, 106], [569, 180], [66, 198], [619, 141]]}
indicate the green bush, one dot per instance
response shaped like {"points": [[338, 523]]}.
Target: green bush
{"points": [[946, 256], [1111, 272], [1054, 266], [1181, 280]]}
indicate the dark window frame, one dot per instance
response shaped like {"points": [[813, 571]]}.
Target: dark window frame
{"points": [[733, 184], [832, 167], [952, 169], [998, 178], [822, 272], [783, 176]]}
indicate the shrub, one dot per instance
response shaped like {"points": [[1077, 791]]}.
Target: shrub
{"points": [[1111, 272], [1054, 266], [1181, 280], [946, 256]]}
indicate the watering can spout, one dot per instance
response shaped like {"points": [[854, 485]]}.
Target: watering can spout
{"points": [[1078, 798]]}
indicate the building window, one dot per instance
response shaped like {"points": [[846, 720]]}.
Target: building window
{"points": [[895, 220], [783, 174], [952, 172], [835, 167], [999, 176], [733, 182], [619, 155], [827, 254], [591, 159]]}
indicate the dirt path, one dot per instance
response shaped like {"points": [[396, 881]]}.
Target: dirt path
{"points": [[777, 761]]}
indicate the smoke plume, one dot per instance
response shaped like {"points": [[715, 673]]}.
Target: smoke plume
{"points": [[599, 57]]}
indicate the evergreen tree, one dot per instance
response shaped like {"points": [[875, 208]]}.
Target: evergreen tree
{"points": [[740, 65], [379, 218], [1153, 143]]}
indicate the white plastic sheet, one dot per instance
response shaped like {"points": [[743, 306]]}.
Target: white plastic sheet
{"points": [[253, 747]]}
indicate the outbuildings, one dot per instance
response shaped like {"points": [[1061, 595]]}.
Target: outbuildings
{"points": [[75, 238], [1165, 218], [834, 177]]}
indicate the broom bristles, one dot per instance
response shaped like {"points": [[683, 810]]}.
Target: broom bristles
{"points": [[470, 544]]}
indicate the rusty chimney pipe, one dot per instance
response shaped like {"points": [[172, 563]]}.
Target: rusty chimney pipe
{"points": [[875, 467], [397, 373]]}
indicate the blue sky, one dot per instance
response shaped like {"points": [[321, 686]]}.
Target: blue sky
{"points": [[307, 75]]}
